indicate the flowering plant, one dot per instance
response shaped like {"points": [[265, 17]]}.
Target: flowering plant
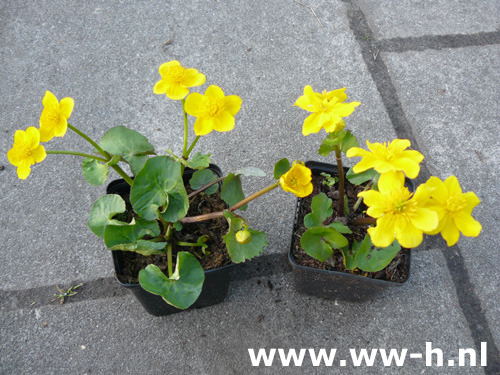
{"points": [[396, 216], [156, 209]]}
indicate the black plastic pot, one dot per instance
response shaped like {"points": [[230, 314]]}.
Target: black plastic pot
{"points": [[216, 282], [336, 285]]}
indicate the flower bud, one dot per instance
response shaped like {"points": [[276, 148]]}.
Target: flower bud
{"points": [[243, 236]]}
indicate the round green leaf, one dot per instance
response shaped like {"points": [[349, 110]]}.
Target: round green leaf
{"points": [[94, 172], [318, 242], [103, 210], [159, 182], [183, 288], [202, 178]]}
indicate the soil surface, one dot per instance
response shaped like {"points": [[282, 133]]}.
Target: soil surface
{"points": [[396, 271], [216, 254]]}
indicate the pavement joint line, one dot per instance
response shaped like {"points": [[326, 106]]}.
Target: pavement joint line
{"points": [[438, 42], [108, 287], [468, 300]]}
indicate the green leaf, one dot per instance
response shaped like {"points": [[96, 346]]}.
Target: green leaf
{"points": [[199, 161], [178, 204], [202, 178], [349, 141], [319, 242], [127, 237], [241, 252], [359, 178], [327, 147], [103, 210], [232, 192], [321, 208], [94, 172], [250, 171], [159, 185], [351, 255], [339, 227], [373, 259], [143, 247], [281, 167], [129, 144], [183, 288]]}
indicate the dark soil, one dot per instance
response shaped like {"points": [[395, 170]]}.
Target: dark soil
{"points": [[217, 255], [397, 270]]}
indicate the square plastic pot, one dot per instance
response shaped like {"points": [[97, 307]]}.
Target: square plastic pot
{"points": [[216, 282], [337, 285]]}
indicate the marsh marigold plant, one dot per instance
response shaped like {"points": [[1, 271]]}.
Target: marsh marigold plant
{"points": [[393, 215], [159, 199]]}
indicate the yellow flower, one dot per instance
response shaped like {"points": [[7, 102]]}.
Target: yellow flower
{"points": [[176, 80], [454, 209], [26, 151], [213, 110], [297, 181], [400, 214], [55, 115], [388, 158], [327, 109]]}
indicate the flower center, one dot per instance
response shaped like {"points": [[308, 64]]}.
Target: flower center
{"points": [[24, 151], [292, 181], [455, 203], [214, 107], [50, 117], [175, 75]]}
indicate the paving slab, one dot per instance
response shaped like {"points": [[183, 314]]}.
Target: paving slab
{"points": [[451, 108], [414, 18], [114, 335], [106, 56]]}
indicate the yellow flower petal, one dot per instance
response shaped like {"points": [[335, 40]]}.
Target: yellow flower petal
{"points": [[425, 219], [24, 170], [313, 123], [194, 78], [468, 225], [203, 126], [408, 235], [214, 92], [224, 122], [232, 104], [450, 232], [50, 100], [453, 185], [66, 105], [384, 233], [160, 87], [176, 92]]}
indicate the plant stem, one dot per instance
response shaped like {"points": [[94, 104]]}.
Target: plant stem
{"points": [[363, 221], [169, 256], [106, 155], [192, 146], [340, 168], [123, 175], [205, 187], [360, 199], [186, 130], [215, 215], [61, 152], [89, 140]]}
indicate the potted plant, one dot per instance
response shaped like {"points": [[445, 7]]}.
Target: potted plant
{"points": [[352, 237], [155, 221]]}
